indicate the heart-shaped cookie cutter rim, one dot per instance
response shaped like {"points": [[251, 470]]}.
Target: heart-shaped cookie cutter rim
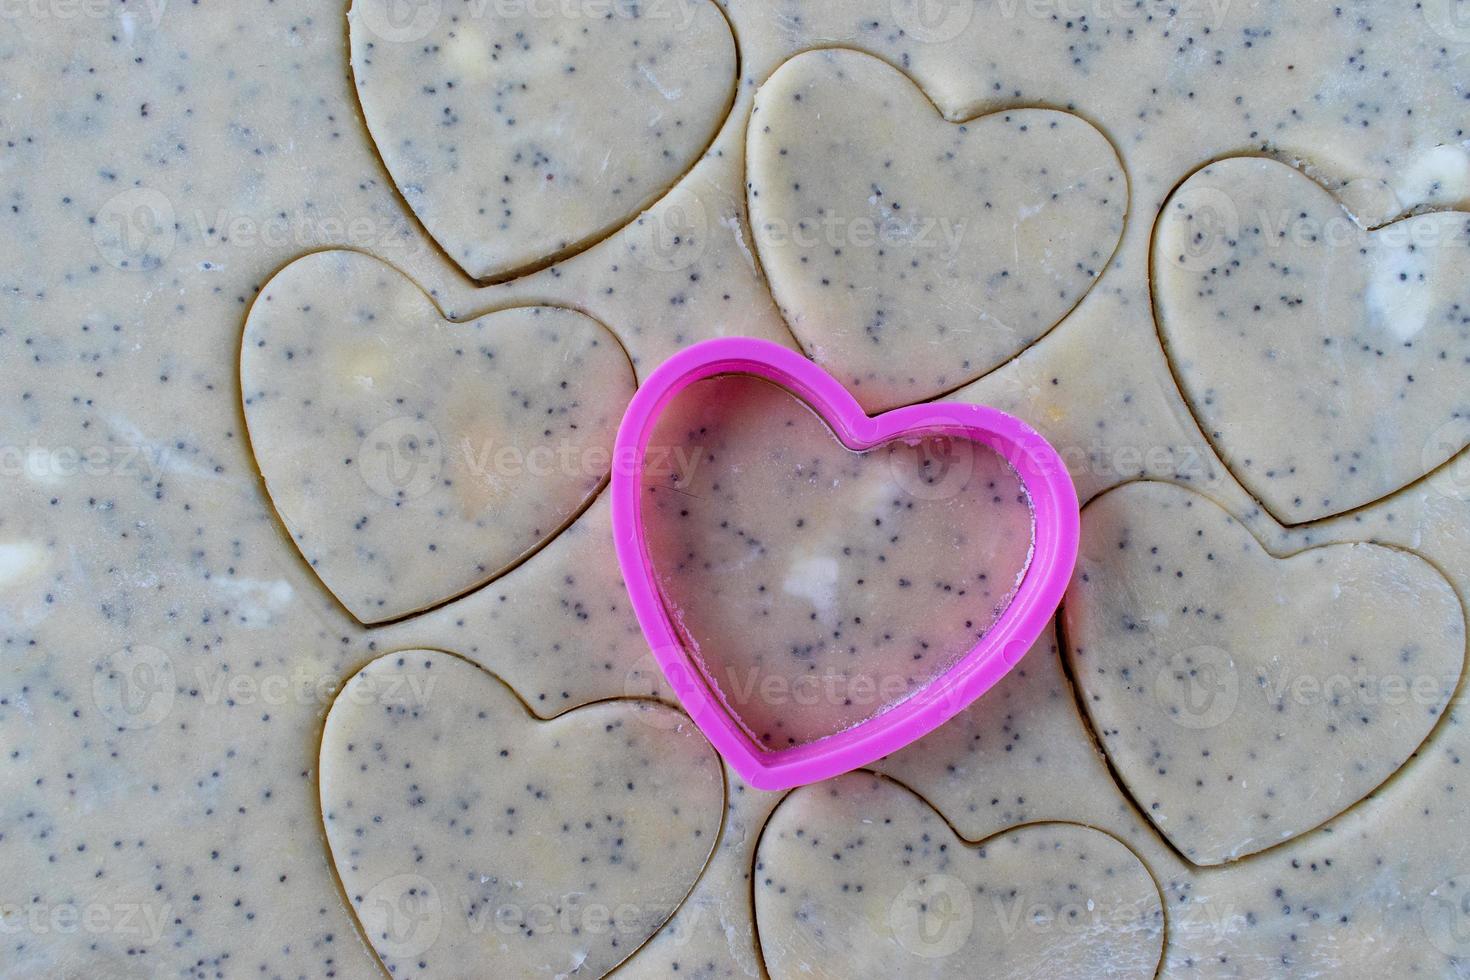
{"points": [[1055, 533]]}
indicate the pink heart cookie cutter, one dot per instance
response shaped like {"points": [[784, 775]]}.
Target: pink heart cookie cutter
{"points": [[1055, 532]]}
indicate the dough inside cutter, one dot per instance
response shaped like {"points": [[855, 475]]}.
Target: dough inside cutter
{"points": [[816, 586]]}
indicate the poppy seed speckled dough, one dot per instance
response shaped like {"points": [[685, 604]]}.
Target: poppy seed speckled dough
{"points": [[413, 459], [167, 657], [858, 878], [1329, 364], [910, 254], [1244, 698], [815, 585], [516, 136], [475, 840]]}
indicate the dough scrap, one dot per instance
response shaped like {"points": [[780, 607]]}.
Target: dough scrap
{"points": [[1329, 365], [909, 254], [413, 459], [522, 132], [1244, 699], [474, 840], [858, 878]]}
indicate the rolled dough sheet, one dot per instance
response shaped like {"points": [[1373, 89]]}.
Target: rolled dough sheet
{"points": [[167, 659]]}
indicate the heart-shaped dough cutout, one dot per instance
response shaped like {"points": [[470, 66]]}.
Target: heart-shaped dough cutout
{"points": [[1329, 365], [521, 133], [910, 255], [476, 841], [815, 586], [859, 878], [413, 459], [1245, 699]]}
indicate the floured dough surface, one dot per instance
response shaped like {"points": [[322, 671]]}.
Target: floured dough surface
{"points": [[814, 585], [1244, 698], [167, 657], [1348, 900], [858, 878], [1329, 364], [475, 840], [411, 458], [911, 254], [521, 131]]}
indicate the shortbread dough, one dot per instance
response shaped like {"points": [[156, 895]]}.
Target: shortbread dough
{"points": [[1244, 698], [413, 459], [517, 135], [473, 840], [816, 586], [858, 878], [167, 657], [1328, 364], [909, 254]]}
